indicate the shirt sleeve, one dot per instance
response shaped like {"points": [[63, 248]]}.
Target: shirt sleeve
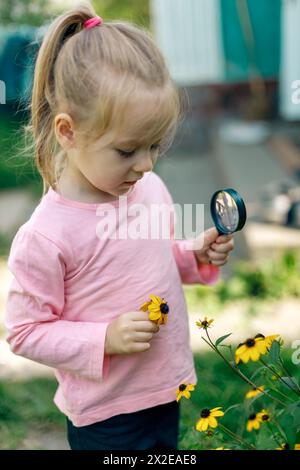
{"points": [[34, 308], [190, 270]]}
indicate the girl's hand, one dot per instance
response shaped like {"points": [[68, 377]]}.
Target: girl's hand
{"points": [[129, 333], [216, 248]]}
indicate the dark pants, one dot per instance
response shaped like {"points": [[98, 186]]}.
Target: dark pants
{"points": [[151, 429]]}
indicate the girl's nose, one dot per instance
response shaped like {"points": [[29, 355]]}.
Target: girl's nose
{"points": [[144, 163]]}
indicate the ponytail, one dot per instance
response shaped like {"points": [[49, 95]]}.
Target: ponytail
{"points": [[43, 104]]}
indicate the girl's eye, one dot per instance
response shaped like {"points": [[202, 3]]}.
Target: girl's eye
{"points": [[130, 153], [155, 146], [125, 153]]}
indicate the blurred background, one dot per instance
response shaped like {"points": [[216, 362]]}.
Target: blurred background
{"points": [[238, 63]]}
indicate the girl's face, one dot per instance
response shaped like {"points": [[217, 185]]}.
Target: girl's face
{"points": [[109, 163]]}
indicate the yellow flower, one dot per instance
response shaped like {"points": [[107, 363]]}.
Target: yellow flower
{"points": [[252, 349], [158, 309], [253, 422], [184, 391], [204, 323], [283, 446], [208, 418], [269, 340], [222, 448], [263, 416], [254, 392]]}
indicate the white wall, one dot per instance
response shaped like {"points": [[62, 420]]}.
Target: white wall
{"points": [[290, 59], [189, 35]]}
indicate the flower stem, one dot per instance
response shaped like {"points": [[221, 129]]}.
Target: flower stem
{"points": [[236, 437], [278, 376], [282, 394], [273, 435], [284, 368], [281, 431]]}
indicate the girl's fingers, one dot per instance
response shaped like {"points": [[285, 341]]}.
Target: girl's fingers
{"points": [[220, 262], [139, 347], [224, 238], [141, 337], [223, 248], [214, 256], [147, 326]]}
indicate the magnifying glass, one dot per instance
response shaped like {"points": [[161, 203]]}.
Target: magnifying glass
{"points": [[228, 211]]}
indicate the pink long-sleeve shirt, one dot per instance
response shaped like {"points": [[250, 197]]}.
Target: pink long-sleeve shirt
{"points": [[70, 282]]}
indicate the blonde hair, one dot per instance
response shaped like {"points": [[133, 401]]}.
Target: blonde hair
{"points": [[91, 74]]}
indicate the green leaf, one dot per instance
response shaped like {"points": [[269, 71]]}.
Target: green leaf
{"points": [[287, 424], [257, 372], [221, 339], [294, 410], [274, 351], [290, 382]]}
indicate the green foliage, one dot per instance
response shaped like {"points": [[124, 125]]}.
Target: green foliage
{"points": [[16, 169], [29, 12], [134, 11], [270, 280], [39, 12], [222, 385]]}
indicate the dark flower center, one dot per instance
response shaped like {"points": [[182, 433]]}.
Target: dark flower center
{"points": [[205, 413], [265, 417], [182, 387], [164, 308], [252, 417], [204, 323], [286, 446], [250, 343]]}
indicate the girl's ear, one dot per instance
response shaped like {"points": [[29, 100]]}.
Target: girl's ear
{"points": [[64, 130]]}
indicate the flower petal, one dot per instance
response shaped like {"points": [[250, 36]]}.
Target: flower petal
{"points": [[254, 355], [154, 316], [155, 299], [145, 306], [217, 413], [212, 422], [202, 424]]}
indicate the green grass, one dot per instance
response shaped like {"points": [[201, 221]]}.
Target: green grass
{"points": [[27, 407]]}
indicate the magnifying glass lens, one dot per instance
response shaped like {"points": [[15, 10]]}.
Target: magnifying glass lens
{"points": [[228, 211]]}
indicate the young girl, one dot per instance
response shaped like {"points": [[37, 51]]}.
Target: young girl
{"points": [[103, 108]]}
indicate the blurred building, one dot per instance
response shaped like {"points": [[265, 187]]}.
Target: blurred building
{"points": [[233, 44], [217, 41]]}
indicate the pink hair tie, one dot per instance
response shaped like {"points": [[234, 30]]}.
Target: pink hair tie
{"points": [[96, 21]]}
